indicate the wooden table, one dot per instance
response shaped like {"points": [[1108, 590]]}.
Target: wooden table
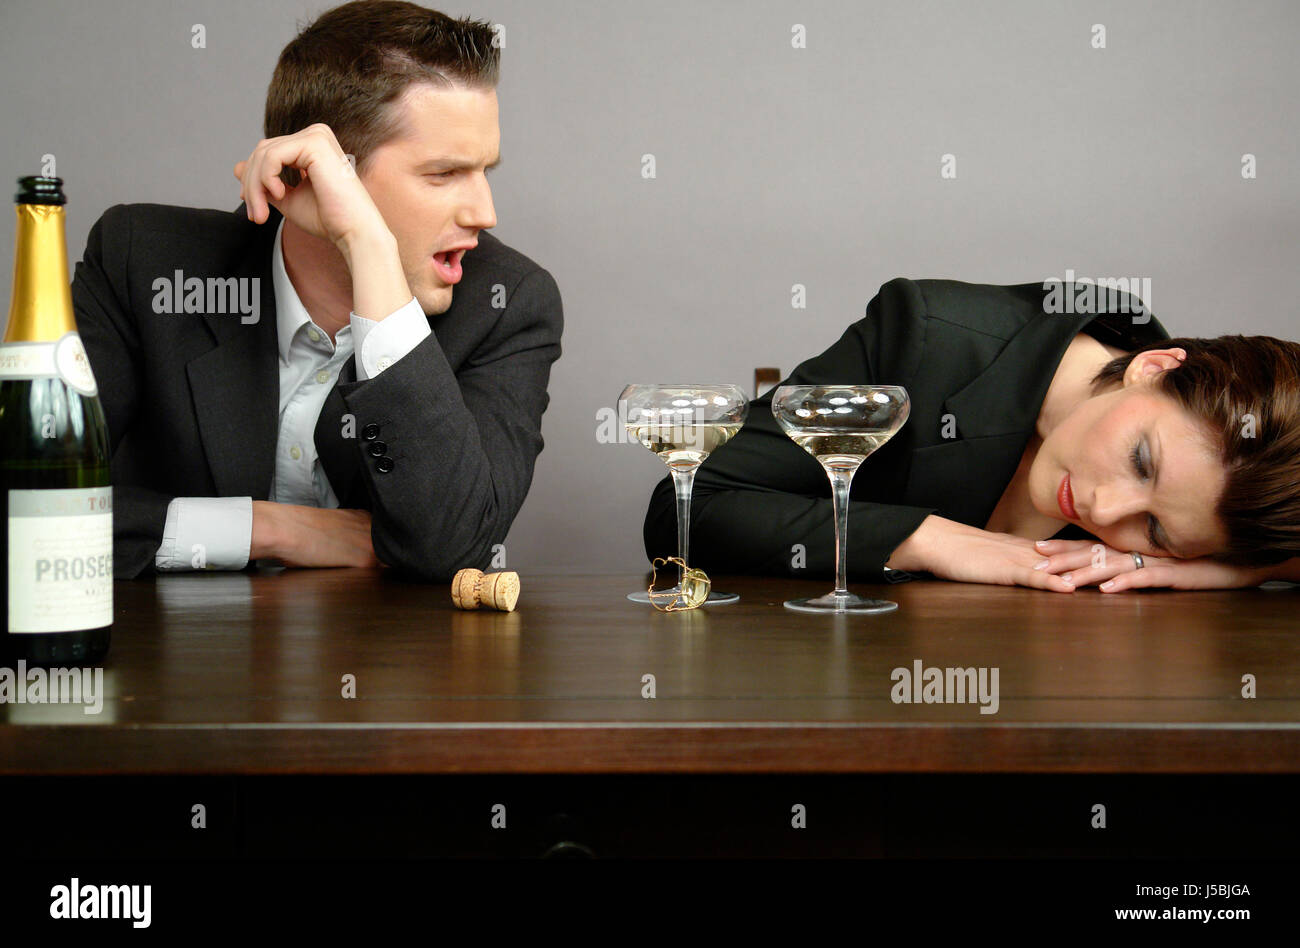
{"points": [[244, 673], [241, 676]]}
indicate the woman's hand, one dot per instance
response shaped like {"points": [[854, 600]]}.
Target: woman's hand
{"points": [[1091, 563], [966, 554]]}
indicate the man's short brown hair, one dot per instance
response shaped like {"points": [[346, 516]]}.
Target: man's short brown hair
{"points": [[346, 68]]}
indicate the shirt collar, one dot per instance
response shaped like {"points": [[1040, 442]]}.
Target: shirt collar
{"points": [[290, 315]]}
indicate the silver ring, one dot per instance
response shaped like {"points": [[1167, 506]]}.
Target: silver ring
{"points": [[1137, 558]]}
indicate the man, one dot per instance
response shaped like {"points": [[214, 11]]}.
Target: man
{"points": [[376, 394]]}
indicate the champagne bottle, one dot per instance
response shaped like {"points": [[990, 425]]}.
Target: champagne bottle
{"points": [[54, 455]]}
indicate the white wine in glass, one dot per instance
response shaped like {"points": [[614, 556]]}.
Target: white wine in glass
{"points": [[683, 424], [841, 426], [683, 447]]}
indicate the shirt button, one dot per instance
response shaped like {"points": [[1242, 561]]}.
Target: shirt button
{"points": [[295, 452], [378, 449], [313, 335], [384, 362], [384, 464], [322, 376], [370, 432]]}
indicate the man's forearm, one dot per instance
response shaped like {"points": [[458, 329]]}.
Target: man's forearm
{"points": [[379, 285], [264, 542], [298, 535]]}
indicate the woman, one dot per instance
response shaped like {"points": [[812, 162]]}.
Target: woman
{"points": [[1147, 461]]}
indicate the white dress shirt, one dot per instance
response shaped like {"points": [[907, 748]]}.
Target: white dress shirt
{"points": [[216, 532]]}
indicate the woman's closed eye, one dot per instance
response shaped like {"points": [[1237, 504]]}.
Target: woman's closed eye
{"points": [[1152, 523]]}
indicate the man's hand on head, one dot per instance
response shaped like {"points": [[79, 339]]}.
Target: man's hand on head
{"points": [[332, 203]]}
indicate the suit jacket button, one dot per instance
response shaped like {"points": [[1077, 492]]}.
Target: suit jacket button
{"points": [[370, 432], [384, 464], [378, 449]]}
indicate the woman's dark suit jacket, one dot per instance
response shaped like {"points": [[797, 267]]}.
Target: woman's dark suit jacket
{"points": [[983, 354]]}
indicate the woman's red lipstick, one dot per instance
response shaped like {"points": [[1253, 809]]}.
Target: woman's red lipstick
{"points": [[1065, 499]]}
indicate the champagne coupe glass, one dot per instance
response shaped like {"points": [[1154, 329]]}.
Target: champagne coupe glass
{"points": [[840, 425], [683, 424]]}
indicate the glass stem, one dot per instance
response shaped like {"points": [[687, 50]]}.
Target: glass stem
{"points": [[840, 481], [683, 480]]}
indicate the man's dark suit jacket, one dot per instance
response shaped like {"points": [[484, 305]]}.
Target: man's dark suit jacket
{"points": [[984, 354], [443, 441]]}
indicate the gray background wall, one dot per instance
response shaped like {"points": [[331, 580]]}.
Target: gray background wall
{"points": [[775, 166]]}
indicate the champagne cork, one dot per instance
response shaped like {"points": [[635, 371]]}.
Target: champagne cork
{"points": [[471, 588]]}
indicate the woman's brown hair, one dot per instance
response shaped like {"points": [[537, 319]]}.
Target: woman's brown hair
{"points": [[347, 67], [1246, 391]]}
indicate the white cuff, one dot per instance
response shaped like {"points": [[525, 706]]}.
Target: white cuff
{"points": [[206, 533], [378, 343]]}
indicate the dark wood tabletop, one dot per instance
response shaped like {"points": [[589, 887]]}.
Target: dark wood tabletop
{"points": [[244, 673]]}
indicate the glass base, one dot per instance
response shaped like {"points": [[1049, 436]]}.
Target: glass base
{"points": [[843, 602], [715, 598]]}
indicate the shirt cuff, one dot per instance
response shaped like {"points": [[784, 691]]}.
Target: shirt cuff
{"points": [[206, 533], [378, 343]]}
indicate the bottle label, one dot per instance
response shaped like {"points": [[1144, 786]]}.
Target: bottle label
{"points": [[65, 359], [60, 559]]}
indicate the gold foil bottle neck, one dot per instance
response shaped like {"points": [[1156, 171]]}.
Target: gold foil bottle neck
{"points": [[40, 306]]}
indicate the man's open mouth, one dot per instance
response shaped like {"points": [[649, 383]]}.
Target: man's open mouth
{"points": [[448, 262]]}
